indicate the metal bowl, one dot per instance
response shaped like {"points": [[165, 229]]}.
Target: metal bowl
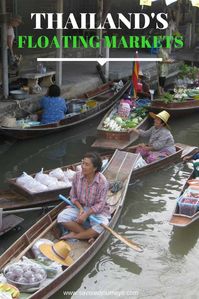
{"points": [[18, 94]]}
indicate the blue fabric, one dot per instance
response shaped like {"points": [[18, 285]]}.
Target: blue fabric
{"points": [[196, 156], [54, 109]]}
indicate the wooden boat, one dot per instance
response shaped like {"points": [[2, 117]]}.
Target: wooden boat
{"points": [[113, 139], [176, 109], [104, 98], [179, 219], [81, 252], [10, 222], [17, 198]]}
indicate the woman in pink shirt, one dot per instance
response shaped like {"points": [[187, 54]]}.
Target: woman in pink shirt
{"points": [[88, 194]]}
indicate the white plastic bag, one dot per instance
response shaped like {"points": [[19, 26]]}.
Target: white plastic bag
{"points": [[69, 174], [78, 168], [35, 186], [57, 173], [24, 179], [45, 179]]}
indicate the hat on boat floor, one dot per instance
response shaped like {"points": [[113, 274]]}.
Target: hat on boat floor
{"points": [[163, 115], [58, 252]]}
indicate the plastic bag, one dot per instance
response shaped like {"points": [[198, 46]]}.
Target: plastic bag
{"points": [[57, 173], [45, 179], [37, 252], [34, 186], [24, 179], [78, 168], [140, 163], [69, 174]]}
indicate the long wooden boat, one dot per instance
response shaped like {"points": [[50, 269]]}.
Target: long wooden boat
{"points": [[17, 198], [81, 252], [179, 219], [10, 222], [114, 139], [176, 109], [104, 97]]}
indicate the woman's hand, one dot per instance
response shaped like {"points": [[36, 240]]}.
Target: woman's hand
{"points": [[82, 216]]}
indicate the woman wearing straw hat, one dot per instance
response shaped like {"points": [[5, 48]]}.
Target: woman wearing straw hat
{"points": [[88, 194], [161, 142]]}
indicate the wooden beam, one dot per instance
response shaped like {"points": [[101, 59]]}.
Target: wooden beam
{"points": [[4, 17], [59, 52], [4, 53]]}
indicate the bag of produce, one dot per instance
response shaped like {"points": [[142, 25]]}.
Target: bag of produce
{"points": [[57, 173], [34, 186], [24, 179], [45, 179], [69, 174]]}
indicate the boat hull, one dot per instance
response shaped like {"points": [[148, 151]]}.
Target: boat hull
{"points": [[176, 109], [29, 133]]}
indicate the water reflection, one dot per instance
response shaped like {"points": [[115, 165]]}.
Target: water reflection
{"points": [[183, 239]]}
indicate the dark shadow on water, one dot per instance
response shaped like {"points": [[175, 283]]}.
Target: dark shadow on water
{"points": [[126, 264], [183, 239]]}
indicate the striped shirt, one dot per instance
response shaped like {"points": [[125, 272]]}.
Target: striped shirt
{"points": [[91, 195]]}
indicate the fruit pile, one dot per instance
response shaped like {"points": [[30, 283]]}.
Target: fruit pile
{"points": [[23, 273], [10, 290]]}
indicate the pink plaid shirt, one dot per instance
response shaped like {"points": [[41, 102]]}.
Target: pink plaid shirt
{"points": [[93, 195]]}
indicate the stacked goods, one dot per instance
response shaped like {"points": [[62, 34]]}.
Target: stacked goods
{"points": [[189, 201], [56, 179], [25, 275], [117, 123], [181, 95]]}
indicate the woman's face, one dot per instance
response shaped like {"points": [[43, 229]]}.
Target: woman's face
{"points": [[87, 167], [158, 123]]}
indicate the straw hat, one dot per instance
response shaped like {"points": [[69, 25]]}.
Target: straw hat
{"points": [[17, 18], [163, 115], [58, 252]]}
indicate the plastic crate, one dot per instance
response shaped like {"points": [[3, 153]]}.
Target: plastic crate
{"points": [[188, 205]]}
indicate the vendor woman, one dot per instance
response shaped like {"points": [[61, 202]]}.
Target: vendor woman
{"points": [[161, 142], [88, 194], [53, 106]]}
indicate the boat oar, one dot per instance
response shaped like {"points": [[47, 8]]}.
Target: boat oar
{"points": [[128, 242]]}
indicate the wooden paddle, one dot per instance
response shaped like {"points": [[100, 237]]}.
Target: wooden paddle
{"points": [[128, 242], [37, 238]]}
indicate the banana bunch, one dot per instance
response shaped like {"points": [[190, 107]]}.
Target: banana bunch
{"points": [[10, 289]]}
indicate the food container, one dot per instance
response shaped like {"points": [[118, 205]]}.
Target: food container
{"points": [[25, 286], [18, 94], [91, 104]]}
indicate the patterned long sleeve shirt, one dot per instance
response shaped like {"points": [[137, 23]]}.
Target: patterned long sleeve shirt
{"points": [[160, 139], [92, 195]]}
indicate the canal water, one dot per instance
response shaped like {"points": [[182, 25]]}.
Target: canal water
{"points": [[169, 265]]}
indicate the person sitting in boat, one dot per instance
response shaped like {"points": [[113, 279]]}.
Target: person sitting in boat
{"points": [[161, 142], [53, 106], [143, 86], [88, 194]]}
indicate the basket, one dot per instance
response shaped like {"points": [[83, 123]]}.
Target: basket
{"points": [[188, 205], [24, 286]]}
